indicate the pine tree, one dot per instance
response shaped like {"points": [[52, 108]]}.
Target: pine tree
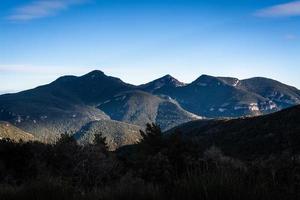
{"points": [[100, 141], [152, 138]]}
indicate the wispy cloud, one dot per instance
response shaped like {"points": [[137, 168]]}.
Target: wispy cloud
{"points": [[290, 37], [41, 8], [290, 9]]}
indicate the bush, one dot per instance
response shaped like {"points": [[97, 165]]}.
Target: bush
{"points": [[159, 167]]}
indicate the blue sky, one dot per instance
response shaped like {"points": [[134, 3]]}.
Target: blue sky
{"points": [[139, 40]]}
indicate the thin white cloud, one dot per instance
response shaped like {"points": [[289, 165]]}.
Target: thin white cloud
{"points": [[41, 8], [290, 37], [290, 9]]}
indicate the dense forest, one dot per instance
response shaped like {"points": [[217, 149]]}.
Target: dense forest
{"points": [[160, 166]]}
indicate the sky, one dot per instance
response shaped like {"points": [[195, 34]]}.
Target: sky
{"points": [[140, 40]]}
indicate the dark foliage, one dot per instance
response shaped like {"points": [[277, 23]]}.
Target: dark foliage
{"points": [[250, 138], [159, 167], [100, 142]]}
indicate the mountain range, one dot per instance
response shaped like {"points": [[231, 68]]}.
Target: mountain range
{"points": [[216, 97], [79, 104]]}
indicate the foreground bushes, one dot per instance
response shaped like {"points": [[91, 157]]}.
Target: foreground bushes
{"points": [[173, 167]]}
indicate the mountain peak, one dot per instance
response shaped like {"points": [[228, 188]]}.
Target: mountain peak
{"points": [[94, 73], [169, 80], [205, 77], [165, 81], [206, 80], [167, 76], [64, 79]]}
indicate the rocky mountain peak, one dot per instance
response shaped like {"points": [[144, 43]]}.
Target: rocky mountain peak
{"points": [[165, 81]]}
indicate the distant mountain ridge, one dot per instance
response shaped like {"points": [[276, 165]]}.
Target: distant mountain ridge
{"points": [[70, 103], [230, 97]]}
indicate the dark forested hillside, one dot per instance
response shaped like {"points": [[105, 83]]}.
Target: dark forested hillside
{"points": [[250, 158], [116, 133], [251, 137], [140, 108]]}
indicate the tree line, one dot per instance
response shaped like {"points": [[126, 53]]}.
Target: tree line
{"points": [[158, 167]]}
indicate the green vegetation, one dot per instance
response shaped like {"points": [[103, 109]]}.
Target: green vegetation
{"points": [[159, 167]]}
